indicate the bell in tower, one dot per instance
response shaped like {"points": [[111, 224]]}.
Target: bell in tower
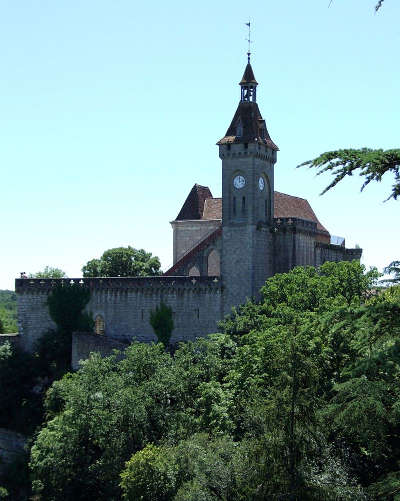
{"points": [[248, 83]]}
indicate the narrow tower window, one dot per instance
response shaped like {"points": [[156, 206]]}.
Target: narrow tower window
{"points": [[239, 129], [234, 206], [99, 325], [244, 205]]}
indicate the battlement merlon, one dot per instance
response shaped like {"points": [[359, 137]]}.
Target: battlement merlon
{"points": [[23, 285]]}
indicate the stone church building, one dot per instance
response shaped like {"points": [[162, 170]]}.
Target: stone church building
{"points": [[252, 232], [223, 248]]}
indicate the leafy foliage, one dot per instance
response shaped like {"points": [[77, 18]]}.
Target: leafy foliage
{"points": [[162, 323], [66, 303], [296, 398], [123, 262], [20, 406], [49, 272], [8, 311], [370, 164], [393, 269]]}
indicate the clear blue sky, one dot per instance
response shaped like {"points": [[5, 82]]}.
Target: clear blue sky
{"points": [[110, 111]]}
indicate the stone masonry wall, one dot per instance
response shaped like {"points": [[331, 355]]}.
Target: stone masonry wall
{"points": [[11, 445], [83, 344], [189, 233], [329, 252], [125, 305]]}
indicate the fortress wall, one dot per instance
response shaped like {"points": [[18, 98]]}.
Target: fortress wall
{"points": [[84, 343], [125, 305], [33, 314], [330, 252], [12, 444]]}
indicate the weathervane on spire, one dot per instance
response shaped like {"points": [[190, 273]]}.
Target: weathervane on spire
{"points": [[249, 41]]}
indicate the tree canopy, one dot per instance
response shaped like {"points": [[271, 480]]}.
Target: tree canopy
{"points": [[297, 397], [123, 262], [393, 269], [49, 272], [370, 164]]}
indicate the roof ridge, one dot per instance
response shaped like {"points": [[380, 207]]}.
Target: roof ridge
{"points": [[293, 196]]}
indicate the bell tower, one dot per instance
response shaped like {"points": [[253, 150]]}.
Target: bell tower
{"points": [[248, 156]]}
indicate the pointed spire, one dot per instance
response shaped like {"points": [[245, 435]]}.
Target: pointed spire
{"points": [[248, 75], [248, 83], [248, 125]]}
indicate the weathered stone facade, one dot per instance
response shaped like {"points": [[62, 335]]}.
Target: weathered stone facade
{"points": [[224, 249], [12, 445], [125, 304]]}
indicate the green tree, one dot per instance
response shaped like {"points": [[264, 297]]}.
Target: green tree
{"points": [[370, 164], [8, 310], [1, 327], [298, 398], [150, 474], [162, 322], [123, 262], [49, 272], [66, 303], [393, 269]]}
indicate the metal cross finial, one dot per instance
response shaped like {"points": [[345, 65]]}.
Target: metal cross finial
{"points": [[249, 41]]}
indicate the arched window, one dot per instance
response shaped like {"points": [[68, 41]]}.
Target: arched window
{"points": [[213, 264], [194, 272], [99, 325]]}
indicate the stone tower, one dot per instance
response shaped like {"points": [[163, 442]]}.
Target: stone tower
{"points": [[248, 156]]}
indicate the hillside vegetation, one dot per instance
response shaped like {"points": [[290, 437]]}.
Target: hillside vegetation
{"points": [[8, 310], [296, 398]]}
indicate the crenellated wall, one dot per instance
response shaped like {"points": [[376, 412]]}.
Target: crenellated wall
{"points": [[125, 305], [330, 252]]}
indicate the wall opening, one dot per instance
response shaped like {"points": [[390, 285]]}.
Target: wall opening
{"points": [[194, 272], [243, 205], [99, 325], [213, 264]]}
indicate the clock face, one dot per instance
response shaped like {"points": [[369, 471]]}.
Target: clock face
{"points": [[261, 183], [239, 182]]}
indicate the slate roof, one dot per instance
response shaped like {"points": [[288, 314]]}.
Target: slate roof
{"points": [[249, 115], [248, 76], [194, 203]]}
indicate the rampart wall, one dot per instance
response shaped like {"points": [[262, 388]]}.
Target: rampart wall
{"points": [[83, 344], [12, 444], [330, 252], [125, 305]]}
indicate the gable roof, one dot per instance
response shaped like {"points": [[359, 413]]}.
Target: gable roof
{"points": [[285, 206], [212, 208], [290, 206], [200, 206], [194, 203]]}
